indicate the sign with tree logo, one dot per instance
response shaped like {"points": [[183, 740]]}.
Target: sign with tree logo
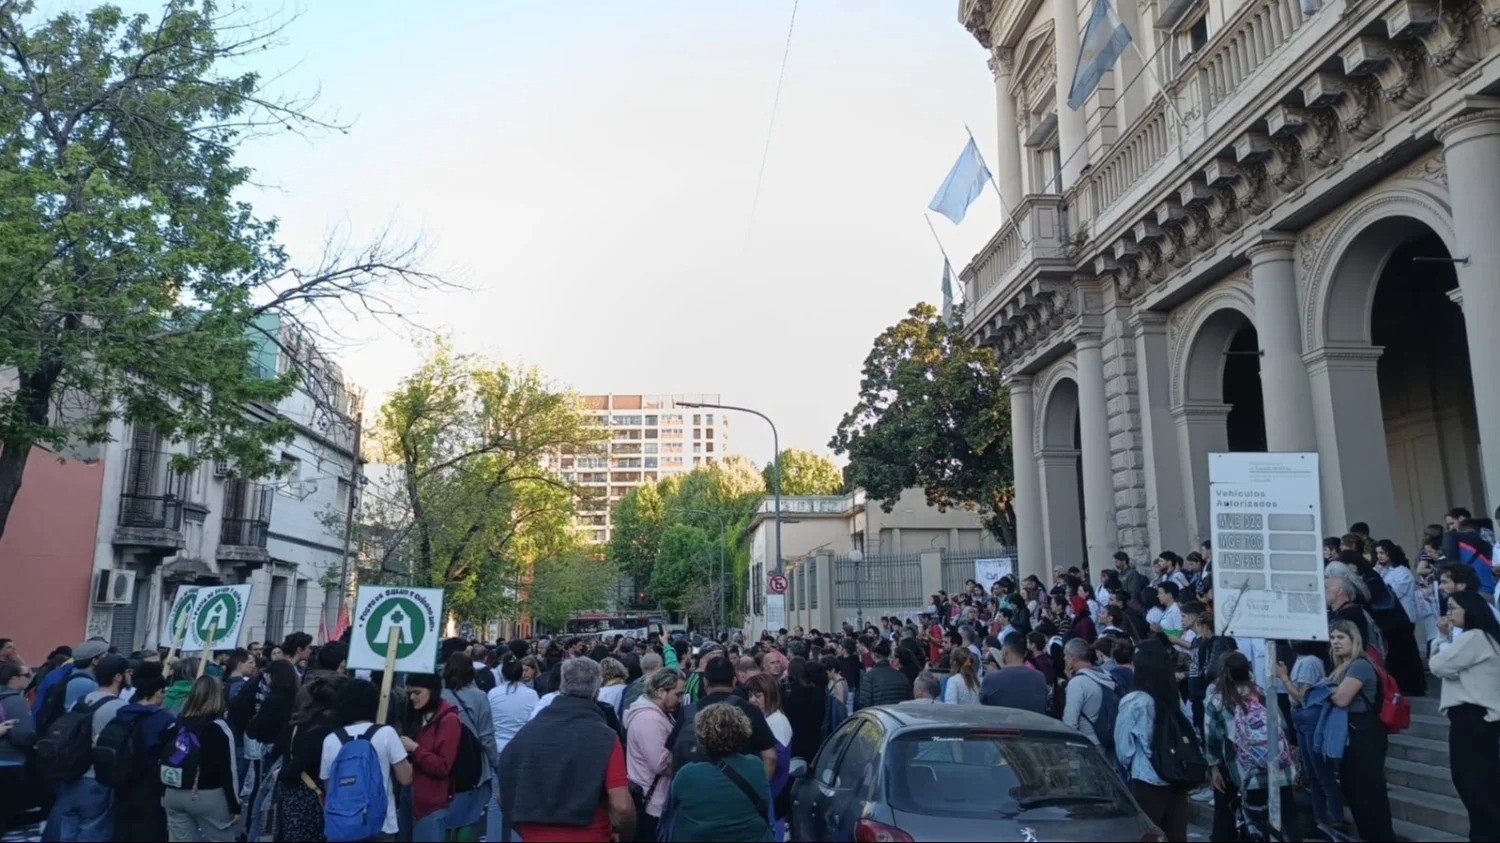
{"points": [[177, 617], [414, 614], [215, 619]]}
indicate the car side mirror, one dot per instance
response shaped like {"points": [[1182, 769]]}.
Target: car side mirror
{"points": [[800, 772]]}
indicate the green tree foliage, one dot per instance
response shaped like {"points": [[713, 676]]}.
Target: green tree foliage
{"points": [[932, 413], [639, 519], [681, 565], [131, 278], [560, 585], [474, 505], [806, 473]]}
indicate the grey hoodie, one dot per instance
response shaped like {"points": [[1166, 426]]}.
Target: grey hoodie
{"points": [[1085, 692], [22, 735]]}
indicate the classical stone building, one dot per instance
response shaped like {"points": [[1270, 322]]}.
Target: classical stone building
{"points": [[1282, 234]]}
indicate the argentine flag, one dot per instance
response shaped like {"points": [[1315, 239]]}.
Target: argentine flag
{"points": [[1104, 39], [963, 184]]}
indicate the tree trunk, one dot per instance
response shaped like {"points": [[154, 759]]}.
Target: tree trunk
{"points": [[33, 397]]}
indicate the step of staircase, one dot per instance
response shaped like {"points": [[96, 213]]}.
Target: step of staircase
{"points": [[1431, 810], [1421, 750], [1431, 778], [1432, 727]]}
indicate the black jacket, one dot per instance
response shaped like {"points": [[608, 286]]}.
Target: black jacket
{"points": [[882, 685]]}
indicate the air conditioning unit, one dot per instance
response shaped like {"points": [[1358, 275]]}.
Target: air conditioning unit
{"points": [[221, 468], [114, 588]]}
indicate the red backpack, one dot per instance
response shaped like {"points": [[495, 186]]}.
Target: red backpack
{"points": [[1395, 708]]}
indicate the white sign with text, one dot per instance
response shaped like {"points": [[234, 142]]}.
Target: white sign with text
{"points": [[775, 612], [987, 572], [1266, 516]]}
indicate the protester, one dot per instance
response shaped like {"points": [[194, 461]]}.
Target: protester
{"points": [[138, 797], [723, 796], [1086, 689], [356, 704], [1239, 752], [1150, 711], [1362, 770], [882, 684], [765, 694], [963, 686], [648, 759], [1014, 684], [298, 797], [460, 689], [84, 808], [1470, 671], [17, 734], [431, 742], [200, 770], [718, 681]]}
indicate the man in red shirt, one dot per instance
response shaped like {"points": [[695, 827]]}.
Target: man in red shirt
{"points": [[547, 768]]}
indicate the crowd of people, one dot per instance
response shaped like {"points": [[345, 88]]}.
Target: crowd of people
{"points": [[611, 738]]}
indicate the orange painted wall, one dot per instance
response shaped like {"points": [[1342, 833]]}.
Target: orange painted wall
{"points": [[47, 554]]}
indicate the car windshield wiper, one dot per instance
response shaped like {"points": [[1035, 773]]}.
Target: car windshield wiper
{"points": [[1058, 801]]}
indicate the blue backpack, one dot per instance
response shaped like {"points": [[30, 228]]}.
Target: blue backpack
{"points": [[355, 806]]}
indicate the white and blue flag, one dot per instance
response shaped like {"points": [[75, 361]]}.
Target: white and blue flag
{"points": [[1104, 39], [963, 184], [947, 293]]}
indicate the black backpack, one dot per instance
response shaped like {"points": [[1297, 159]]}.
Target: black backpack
{"points": [[684, 741], [468, 766], [55, 702], [484, 680], [1109, 712], [115, 763], [65, 751], [1174, 751]]}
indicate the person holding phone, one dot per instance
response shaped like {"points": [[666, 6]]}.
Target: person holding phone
{"points": [[17, 734]]}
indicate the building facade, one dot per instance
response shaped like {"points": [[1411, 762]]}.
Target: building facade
{"points": [[649, 438], [158, 529], [1274, 227]]}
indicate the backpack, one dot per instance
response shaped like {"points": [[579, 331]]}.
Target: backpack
{"points": [[484, 680], [55, 702], [115, 764], [182, 759], [684, 746], [1251, 738], [66, 750], [1174, 750], [468, 765], [355, 805], [1104, 719], [1395, 708], [833, 714]]}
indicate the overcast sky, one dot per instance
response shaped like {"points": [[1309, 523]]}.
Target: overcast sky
{"points": [[587, 169]]}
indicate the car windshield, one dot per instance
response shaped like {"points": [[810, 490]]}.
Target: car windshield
{"points": [[978, 773]]}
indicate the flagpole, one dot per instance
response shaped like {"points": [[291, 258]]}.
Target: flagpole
{"points": [[947, 264], [1166, 94], [935, 237]]}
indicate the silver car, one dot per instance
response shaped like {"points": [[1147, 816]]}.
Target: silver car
{"points": [[928, 771]]}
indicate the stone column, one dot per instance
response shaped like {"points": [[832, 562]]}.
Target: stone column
{"points": [[1071, 131], [1278, 325], [1352, 461], [1098, 481], [1471, 148], [1031, 545], [1166, 512], [1201, 431], [1061, 513], [1008, 152]]}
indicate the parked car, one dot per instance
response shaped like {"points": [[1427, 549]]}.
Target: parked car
{"points": [[923, 771]]}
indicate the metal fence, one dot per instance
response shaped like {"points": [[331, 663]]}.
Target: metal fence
{"points": [[958, 566], [878, 581], [811, 567]]}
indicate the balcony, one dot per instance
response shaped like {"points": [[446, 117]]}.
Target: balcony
{"points": [[245, 524], [150, 503], [1029, 243]]}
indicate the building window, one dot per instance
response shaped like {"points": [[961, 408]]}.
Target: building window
{"points": [[1191, 35], [651, 462], [708, 433], [697, 419], [291, 474], [343, 496], [709, 448], [651, 421]]}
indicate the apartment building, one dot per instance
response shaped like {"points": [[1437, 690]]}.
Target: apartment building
{"points": [[154, 528], [649, 438], [1272, 227]]}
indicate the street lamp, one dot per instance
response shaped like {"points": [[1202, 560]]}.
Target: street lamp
{"points": [[775, 460], [723, 540], [857, 556]]}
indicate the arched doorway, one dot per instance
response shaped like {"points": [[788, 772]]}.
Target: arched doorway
{"points": [[1426, 387], [1221, 406], [1061, 467], [1391, 376]]}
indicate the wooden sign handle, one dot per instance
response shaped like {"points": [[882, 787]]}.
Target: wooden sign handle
{"points": [[390, 673], [208, 646]]}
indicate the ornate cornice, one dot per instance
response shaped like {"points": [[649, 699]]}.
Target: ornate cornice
{"points": [[1474, 122]]}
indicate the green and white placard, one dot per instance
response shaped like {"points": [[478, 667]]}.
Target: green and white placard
{"points": [[177, 617], [218, 610], [416, 612]]}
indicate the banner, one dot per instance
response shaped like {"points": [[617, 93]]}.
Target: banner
{"points": [[990, 571], [217, 611], [416, 612], [1267, 546], [775, 612]]}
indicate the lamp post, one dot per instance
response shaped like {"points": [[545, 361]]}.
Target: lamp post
{"points": [[723, 540], [775, 460], [857, 556]]}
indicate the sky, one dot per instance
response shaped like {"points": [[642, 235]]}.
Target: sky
{"points": [[587, 169]]}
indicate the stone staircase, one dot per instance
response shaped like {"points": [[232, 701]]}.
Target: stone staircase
{"points": [[1424, 805]]}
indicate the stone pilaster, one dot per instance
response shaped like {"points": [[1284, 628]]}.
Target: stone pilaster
{"points": [[1278, 326], [1126, 460], [1031, 545], [1098, 486]]}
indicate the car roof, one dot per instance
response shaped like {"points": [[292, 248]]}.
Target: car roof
{"points": [[918, 713]]}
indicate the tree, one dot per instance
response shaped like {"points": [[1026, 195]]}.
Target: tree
{"points": [[561, 585], [131, 279], [932, 413], [476, 504], [679, 565], [639, 519], [805, 473]]}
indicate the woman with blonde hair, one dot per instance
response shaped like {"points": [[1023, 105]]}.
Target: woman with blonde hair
{"points": [[1356, 689], [616, 678], [200, 771], [962, 687]]}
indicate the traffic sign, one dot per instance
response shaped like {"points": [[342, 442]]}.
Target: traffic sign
{"points": [[776, 584], [413, 612]]}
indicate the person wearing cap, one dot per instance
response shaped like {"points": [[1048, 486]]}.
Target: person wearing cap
{"points": [[84, 809], [77, 659]]}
